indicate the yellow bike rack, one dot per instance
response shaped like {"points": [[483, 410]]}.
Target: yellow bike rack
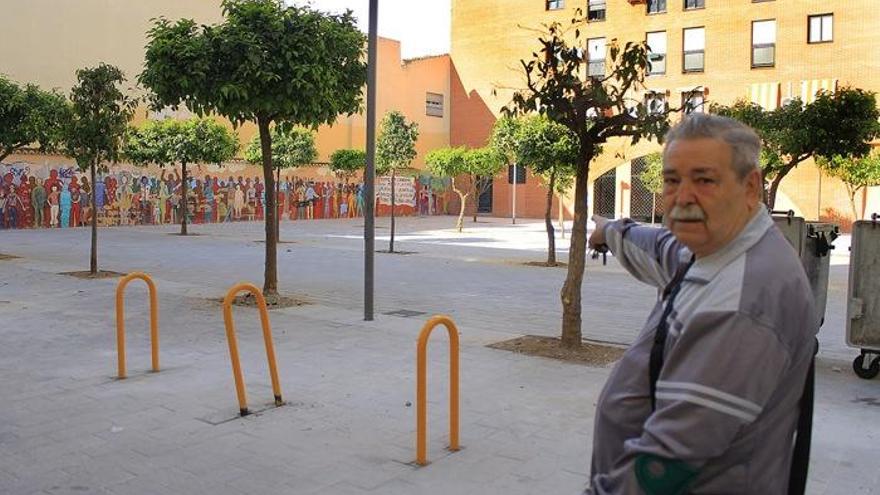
{"points": [[233, 344], [120, 320], [422, 384]]}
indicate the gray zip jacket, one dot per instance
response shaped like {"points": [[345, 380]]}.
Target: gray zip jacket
{"points": [[736, 357]]}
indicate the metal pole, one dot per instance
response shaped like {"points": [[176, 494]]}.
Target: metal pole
{"points": [[514, 193], [370, 172]]}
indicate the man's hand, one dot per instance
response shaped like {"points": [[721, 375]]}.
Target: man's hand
{"points": [[597, 238]]}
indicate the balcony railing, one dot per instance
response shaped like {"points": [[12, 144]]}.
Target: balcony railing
{"points": [[596, 68]]}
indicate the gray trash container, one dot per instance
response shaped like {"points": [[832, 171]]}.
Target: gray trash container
{"points": [[813, 243], [863, 302]]}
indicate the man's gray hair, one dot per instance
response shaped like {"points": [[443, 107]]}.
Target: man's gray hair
{"points": [[743, 141]]}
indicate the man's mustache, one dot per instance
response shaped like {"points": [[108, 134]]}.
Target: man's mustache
{"points": [[689, 213]]}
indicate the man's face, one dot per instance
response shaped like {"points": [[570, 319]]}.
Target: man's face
{"points": [[706, 203]]}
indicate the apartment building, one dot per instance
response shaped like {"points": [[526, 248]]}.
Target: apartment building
{"points": [[702, 51]]}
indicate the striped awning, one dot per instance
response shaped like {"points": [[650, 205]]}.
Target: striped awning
{"points": [[764, 94], [811, 87]]}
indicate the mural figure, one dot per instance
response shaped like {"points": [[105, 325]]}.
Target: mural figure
{"points": [[53, 206], [38, 199], [66, 202]]}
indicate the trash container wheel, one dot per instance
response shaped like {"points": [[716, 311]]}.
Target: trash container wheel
{"points": [[873, 368]]}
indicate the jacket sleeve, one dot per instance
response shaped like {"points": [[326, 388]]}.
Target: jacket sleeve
{"points": [[716, 380], [650, 254]]}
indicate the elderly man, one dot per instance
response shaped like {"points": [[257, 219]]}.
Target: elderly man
{"points": [[706, 400]]}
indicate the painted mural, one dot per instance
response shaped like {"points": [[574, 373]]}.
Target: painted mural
{"points": [[46, 196]]}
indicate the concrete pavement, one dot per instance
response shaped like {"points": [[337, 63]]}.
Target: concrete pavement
{"points": [[67, 426]]}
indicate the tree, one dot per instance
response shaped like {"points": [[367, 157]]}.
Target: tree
{"points": [[840, 123], [30, 115], [470, 165], [291, 147], [549, 149], [652, 178], [345, 163], [170, 141], [92, 136], [481, 166], [595, 109], [856, 173], [395, 150], [449, 163], [267, 63]]}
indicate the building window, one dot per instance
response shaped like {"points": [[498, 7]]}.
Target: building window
{"points": [[821, 28], [655, 103], [694, 59], [554, 4], [694, 4], [692, 101], [764, 43], [434, 104], [596, 10], [656, 6], [657, 52], [596, 57]]}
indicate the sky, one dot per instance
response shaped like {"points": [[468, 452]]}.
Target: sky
{"points": [[422, 26]]}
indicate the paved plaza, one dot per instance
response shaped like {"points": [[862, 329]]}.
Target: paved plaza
{"points": [[67, 426]]}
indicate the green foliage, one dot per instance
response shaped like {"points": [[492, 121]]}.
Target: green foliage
{"points": [[291, 147], [593, 108], [840, 123], [447, 162], [548, 149], [856, 173], [652, 176], [347, 162], [99, 117], [483, 162], [504, 137], [843, 122], [30, 115], [269, 61], [170, 141], [396, 146]]}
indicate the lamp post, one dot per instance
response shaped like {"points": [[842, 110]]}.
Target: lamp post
{"points": [[370, 172]]}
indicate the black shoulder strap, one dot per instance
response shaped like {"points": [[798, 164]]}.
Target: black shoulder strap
{"points": [[656, 362], [800, 462]]}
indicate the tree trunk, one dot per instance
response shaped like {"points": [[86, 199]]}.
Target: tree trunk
{"points": [[851, 192], [183, 206], [93, 257], [571, 289], [270, 283], [393, 180], [551, 234], [459, 224], [277, 217], [774, 184]]}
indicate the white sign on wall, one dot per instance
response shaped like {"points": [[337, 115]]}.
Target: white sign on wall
{"points": [[404, 191]]}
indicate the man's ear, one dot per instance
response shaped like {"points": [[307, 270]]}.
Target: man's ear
{"points": [[754, 187]]}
